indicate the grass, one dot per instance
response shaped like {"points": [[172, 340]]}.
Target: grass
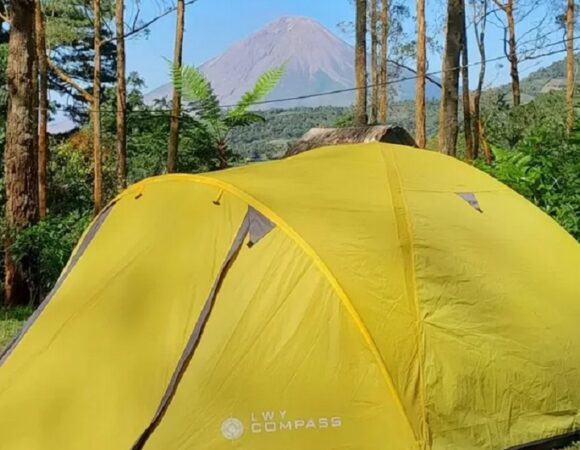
{"points": [[11, 320]]}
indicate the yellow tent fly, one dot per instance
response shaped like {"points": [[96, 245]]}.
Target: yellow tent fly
{"points": [[359, 297]]}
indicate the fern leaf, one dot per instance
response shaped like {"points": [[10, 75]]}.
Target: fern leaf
{"points": [[267, 81], [194, 87]]}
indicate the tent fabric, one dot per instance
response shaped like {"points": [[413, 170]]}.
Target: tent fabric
{"points": [[379, 310]]}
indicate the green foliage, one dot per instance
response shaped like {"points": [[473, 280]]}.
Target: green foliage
{"points": [[506, 126], [533, 155], [70, 37], [209, 117], [281, 128], [195, 87], [147, 131], [11, 320], [49, 243], [265, 84]]}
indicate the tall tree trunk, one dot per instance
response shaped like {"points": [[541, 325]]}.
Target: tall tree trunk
{"points": [[467, 124], [449, 101], [176, 101], [43, 109], [570, 82], [35, 93], [513, 56], [479, 29], [374, 63], [20, 164], [360, 112], [97, 151], [384, 77], [121, 97], [420, 133]]}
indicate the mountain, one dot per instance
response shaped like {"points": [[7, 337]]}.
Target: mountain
{"points": [[317, 61]]}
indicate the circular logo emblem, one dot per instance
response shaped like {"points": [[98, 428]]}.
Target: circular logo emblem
{"points": [[232, 428]]}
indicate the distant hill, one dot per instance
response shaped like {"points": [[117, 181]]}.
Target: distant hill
{"points": [[317, 61], [551, 77]]}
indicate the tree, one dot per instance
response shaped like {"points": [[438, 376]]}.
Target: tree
{"points": [[467, 125], [384, 69], [214, 122], [480, 14], [570, 66], [96, 113], [374, 24], [448, 125], [360, 115], [176, 100], [511, 52], [420, 133], [20, 164], [42, 107], [70, 49], [121, 116]]}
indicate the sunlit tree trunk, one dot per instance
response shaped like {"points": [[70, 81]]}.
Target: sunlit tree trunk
{"points": [[449, 100], [511, 52], [176, 100], [121, 116], [480, 23], [43, 109], [467, 124], [384, 70], [97, 152], [20, 159], [360, 113], [570, 82], [374, 63], [420, 133]]}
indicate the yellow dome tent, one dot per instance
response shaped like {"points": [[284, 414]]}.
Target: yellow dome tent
{"points": [[360, 297]]}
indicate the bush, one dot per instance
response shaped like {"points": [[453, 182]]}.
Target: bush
{"points": [[544, 168], [49, 244]]}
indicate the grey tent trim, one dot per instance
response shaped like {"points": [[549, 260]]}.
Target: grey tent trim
{"points": [[254, 225], [470, 198], [550, 443], [90, 234]]}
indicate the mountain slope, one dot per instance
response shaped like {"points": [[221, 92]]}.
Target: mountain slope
{"points": [[317, 61]]}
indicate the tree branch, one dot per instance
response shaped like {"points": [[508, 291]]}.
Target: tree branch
{"points": [[69, 80], [403, 66], [500, 5], [144, 26], [5, 18]]}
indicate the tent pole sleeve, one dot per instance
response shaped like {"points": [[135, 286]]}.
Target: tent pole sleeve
{"points": [[256, 226]]}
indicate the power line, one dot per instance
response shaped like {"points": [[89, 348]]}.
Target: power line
{"points": [[414, 77], [356, 88]]}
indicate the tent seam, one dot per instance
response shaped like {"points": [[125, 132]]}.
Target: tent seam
{"points": [[402, 219], [308, 250]]}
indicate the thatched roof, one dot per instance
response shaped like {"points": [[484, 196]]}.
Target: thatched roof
{"points": [[321, 137]]}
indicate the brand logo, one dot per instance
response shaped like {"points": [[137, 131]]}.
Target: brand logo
{"points": [[232, 428], [277, 422]]}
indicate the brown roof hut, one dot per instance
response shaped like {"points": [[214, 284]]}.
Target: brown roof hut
{"points": [[320, 137]]}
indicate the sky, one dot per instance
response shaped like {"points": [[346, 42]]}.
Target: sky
{"points": [[213, 25]]}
